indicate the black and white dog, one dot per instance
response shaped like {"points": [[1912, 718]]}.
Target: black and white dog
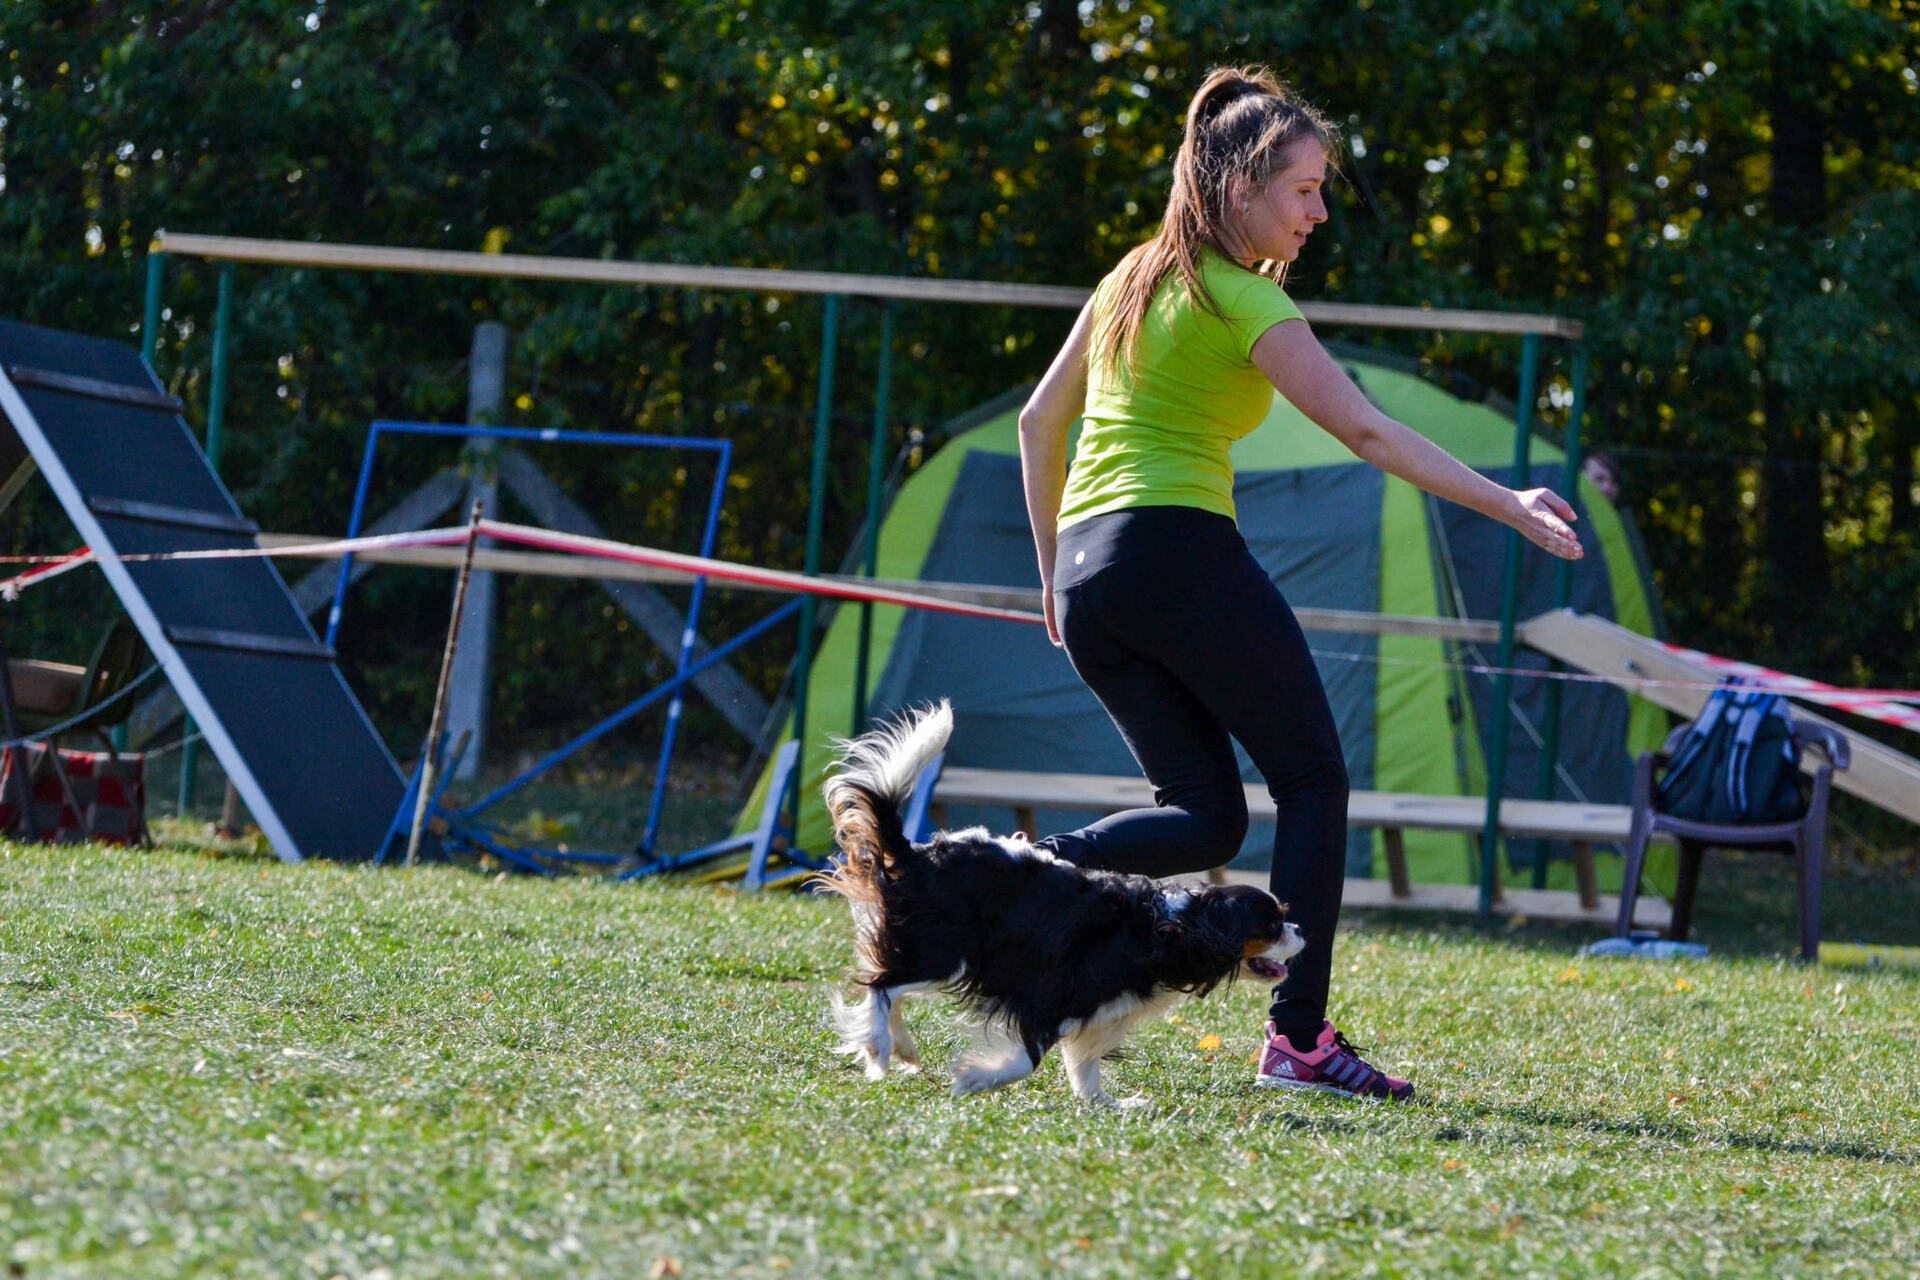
{"points": [[1041, 951]]}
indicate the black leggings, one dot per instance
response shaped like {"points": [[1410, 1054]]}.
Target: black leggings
{"points": [[1185, 640]]}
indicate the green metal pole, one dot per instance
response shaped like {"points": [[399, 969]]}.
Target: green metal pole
{"points": [[149, 348], [1562, 595], [1509, 607], [216, 427], [150, 330], [816, 493], [876, 476]]}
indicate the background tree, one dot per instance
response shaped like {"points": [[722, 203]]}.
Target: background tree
{"points": [[1728, 192]]}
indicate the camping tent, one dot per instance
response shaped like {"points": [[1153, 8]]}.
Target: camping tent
{"points": [[1334, 533]]}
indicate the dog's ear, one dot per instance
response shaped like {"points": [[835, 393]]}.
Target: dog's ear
{"points": [[1201, 943]]}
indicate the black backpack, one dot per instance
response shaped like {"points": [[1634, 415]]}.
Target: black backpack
{"points": [[1737, 764]]}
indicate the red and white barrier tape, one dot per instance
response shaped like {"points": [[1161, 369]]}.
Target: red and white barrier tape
{"points": [[1878, 704], [46, 567], [1874, 704]]}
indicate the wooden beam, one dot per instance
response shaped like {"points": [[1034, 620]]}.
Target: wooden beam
{"points": [[1392, 810], [1535, 904], [1879, 774], [521, 266]]}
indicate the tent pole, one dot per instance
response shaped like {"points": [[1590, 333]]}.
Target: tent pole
{"points": [[1562, 595], [216, 426], [816, 492], [1509, 608], [876, 474]]}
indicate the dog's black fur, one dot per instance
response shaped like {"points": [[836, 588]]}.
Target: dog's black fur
{"points": [[1038, 948]]}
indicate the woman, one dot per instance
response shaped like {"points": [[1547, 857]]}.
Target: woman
{"points": [[1147, 583]]}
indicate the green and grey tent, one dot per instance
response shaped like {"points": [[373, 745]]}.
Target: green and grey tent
{"points": [[1334, 533]]}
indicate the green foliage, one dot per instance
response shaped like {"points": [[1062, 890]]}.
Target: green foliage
{"points": [[1728, 193]]}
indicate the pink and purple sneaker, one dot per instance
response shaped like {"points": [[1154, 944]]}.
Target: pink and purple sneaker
{"points": [[1333, 1066]]}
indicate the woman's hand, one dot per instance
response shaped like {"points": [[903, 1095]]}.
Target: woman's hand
{"points": [[1046, 607], [1542, 515]]}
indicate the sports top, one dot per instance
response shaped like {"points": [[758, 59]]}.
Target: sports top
{"points": [[1158, 428]]}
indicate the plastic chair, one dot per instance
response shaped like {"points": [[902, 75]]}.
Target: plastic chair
{"points": [[1804, 838], [117, 659]]}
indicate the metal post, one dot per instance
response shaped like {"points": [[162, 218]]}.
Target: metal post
{"points": [[150, 330], [1562, 595], [467, 695], [1509, 607], [816, 494], [876, 476], [688, 635], [149, 348], [216, 428]]}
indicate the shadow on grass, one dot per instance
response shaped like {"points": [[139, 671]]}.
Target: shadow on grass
{"points": [[1678, 1135], [1747, 906]]}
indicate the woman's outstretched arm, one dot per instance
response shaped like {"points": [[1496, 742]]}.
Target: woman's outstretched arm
{"points": [[1050, 410], [1302, 371]]}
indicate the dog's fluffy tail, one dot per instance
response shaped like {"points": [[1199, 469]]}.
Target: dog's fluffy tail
{"points": [[868, 789]]}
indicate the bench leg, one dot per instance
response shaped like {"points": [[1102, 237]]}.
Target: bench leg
{"points": [[1024, 820], [938, 812], [1583, 873], [1396, 843]]}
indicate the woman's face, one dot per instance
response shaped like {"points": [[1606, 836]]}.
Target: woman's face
{"points": [[1281, 215]]}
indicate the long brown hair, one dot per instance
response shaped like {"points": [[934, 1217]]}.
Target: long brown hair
{"points": [[1239, 125]]}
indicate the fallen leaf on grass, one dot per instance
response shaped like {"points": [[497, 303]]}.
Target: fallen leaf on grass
{"points": [[1003, 1189], [662, 1267], [1208, 1043]]}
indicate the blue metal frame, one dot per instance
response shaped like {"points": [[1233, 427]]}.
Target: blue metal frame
{"points": [[683, 667]]}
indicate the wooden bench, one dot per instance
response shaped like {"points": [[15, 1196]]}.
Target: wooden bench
{"points": [[1392, 813]]}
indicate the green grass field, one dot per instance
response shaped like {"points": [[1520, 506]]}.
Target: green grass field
{"points": [[223, 1066]]}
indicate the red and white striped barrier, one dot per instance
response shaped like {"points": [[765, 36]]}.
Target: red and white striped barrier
{"points": [[1885, 705], [1874, 704]]}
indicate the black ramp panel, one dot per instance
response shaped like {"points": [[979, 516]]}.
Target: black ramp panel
{"points": [[272, 704]]}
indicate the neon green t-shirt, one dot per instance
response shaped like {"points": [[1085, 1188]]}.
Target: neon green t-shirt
{"points": [[1157, 432]]}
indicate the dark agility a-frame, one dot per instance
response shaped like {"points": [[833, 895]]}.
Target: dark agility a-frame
{"points": [[236, 648]]}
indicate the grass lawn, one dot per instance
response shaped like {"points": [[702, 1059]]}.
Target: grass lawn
{"points": [[224, 1066]]}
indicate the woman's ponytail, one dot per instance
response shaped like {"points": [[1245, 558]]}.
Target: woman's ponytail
{"points": [[1239, 124]]}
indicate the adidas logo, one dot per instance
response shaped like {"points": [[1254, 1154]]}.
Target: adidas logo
{"points": [[1283, 1067]]}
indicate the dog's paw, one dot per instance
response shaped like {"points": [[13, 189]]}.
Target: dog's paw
{"points": [[873, 1064], [1104, 1101], [975, 1077]]}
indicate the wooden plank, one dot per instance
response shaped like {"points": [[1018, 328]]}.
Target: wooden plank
{"points": [[1553, 819], [1449, 321], [358, 257], [1535, 904], [302, 253], [1879, 774]]}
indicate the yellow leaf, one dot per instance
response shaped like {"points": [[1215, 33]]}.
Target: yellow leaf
{"points": [[1208, 1043]]}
